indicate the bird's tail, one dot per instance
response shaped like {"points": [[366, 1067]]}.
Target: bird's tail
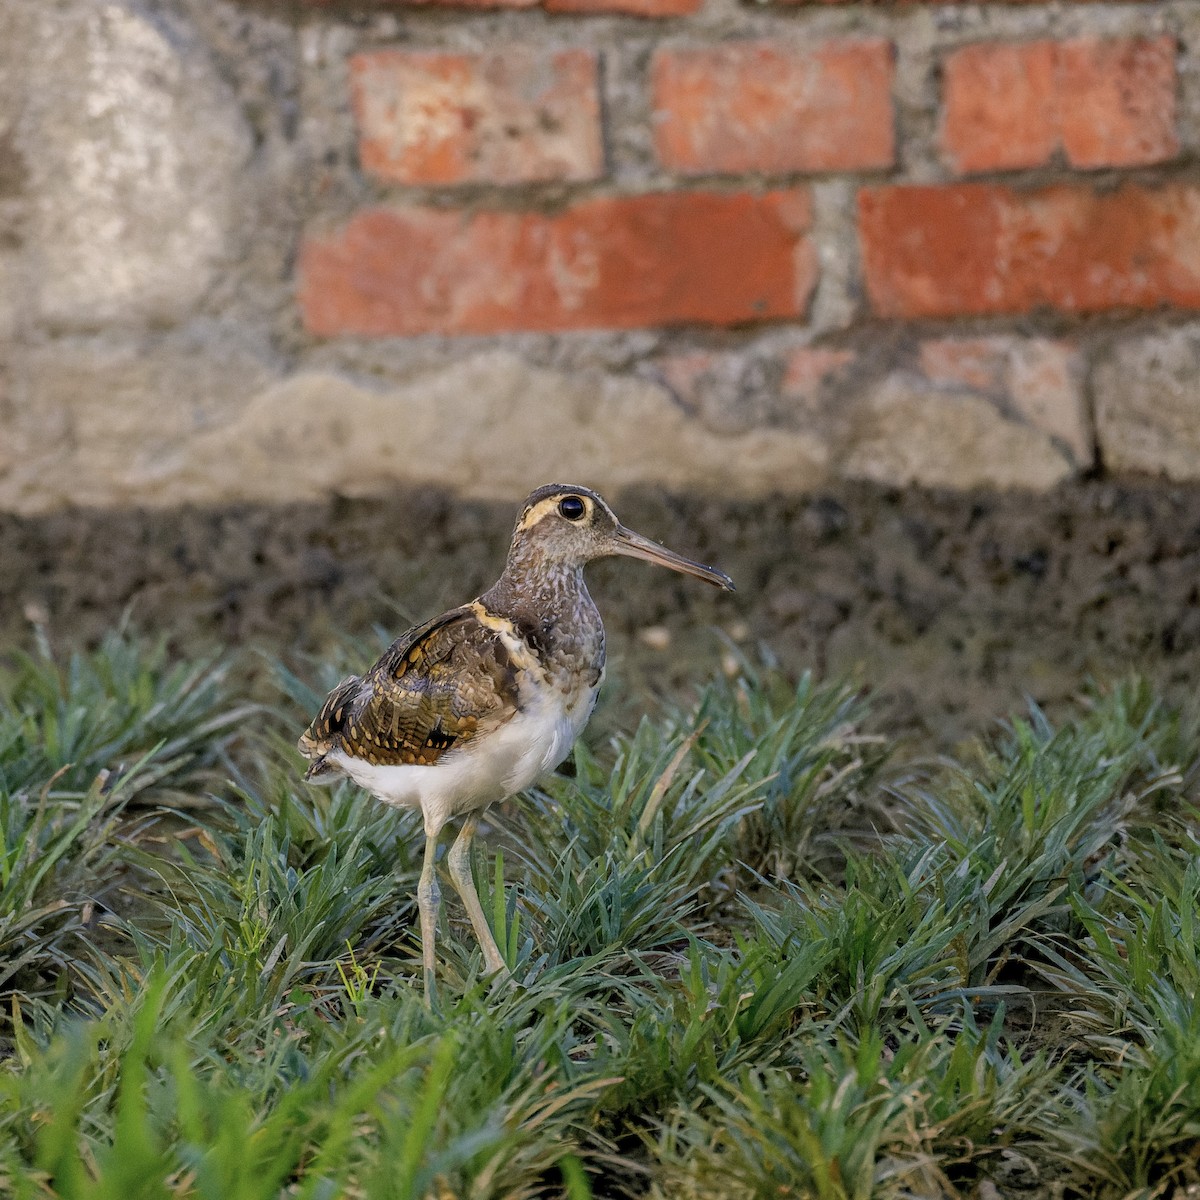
{"points": [[323, 772], [320, 739]]}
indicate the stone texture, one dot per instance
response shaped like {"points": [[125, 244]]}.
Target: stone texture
{"points": [[666, 258], [513, 115], [1038, 380], [632, 8], [14, 287], [978, 248], [491, 425], [728, 392], [215, 423], [808, 370], [1000, 411], [9, 418], [1148, 404], [97, 422], [772, 384], [906, 432], [762, 106], [1104, 102], [14, 180], [133, 145]]}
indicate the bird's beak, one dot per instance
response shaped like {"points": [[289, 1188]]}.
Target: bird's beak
{"points": [[635, 546]]}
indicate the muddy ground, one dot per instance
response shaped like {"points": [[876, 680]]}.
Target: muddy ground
{"points": [[951, 608]]}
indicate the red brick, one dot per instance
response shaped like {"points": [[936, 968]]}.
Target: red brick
{"points": [[636, 7], [977, 363], [798, 375], [807, 369], [1118, 101], [760, 106], [999, 108], [633, 8], [406, 4], [978, 248], [508, 116], [683, 373], [1104, 103], [917, 3], [616, 263]]}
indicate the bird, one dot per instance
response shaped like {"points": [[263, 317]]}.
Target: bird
{"points": [[476, 704]]}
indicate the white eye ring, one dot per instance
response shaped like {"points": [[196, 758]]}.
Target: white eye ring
{"points": [[572, 508]]}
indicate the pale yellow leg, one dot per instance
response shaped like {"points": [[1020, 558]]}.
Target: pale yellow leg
{"points": [[428, 899], [459, 862]]}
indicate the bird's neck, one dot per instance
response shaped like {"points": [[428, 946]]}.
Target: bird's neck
{"points": [[550, 594], [550, 605]]}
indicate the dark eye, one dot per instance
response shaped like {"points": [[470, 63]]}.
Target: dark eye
{"points": [[571, 507]]}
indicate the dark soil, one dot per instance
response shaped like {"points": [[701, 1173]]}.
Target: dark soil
{"points": [[952, 608]]}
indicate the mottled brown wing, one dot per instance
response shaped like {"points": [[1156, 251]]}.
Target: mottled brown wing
{"points": [[434, 689]]}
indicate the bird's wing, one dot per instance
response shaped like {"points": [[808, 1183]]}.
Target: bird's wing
{"points": [[433, 690]]}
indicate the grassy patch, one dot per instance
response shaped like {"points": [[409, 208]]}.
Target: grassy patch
{"points": [[754, 954]]}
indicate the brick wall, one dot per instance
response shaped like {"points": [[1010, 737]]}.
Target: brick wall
{"points": [[994, 193], [715, 240], [704, 242]]}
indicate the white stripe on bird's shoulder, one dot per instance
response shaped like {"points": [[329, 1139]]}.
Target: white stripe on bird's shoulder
{"points": [[519, 650]]}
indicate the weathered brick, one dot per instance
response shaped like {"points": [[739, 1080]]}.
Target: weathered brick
{"points": [[917, 3], [1118, 101], [507, 116], [731, 392], [686, 373], [402, 4], [1102, 102], [633, 8], [999, 107], [808, 369], [978, 363], [660, 259], [734, 390], [1038, 380], [760, 106], [979, 248]]}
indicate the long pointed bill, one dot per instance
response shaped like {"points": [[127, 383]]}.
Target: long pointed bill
{"points": [[635, 546]]}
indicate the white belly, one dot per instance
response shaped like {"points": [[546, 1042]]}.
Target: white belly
{"points": [[501, 763]]}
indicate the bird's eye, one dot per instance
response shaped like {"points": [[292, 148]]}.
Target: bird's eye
{"points": [[571, 507]]}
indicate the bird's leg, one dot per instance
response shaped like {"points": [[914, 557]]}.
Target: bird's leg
{"points": [[459, 862], [428, 899]]}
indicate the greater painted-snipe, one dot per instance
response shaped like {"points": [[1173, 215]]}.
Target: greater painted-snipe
{"points": [[475, 705]]}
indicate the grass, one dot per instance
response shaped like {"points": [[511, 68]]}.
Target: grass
{"points": [[755, 954]]}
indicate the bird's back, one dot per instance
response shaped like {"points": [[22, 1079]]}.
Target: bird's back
{"points": [[436, 688]]}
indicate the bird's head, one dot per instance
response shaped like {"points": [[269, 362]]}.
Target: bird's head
{"points": [[570, 525]]}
